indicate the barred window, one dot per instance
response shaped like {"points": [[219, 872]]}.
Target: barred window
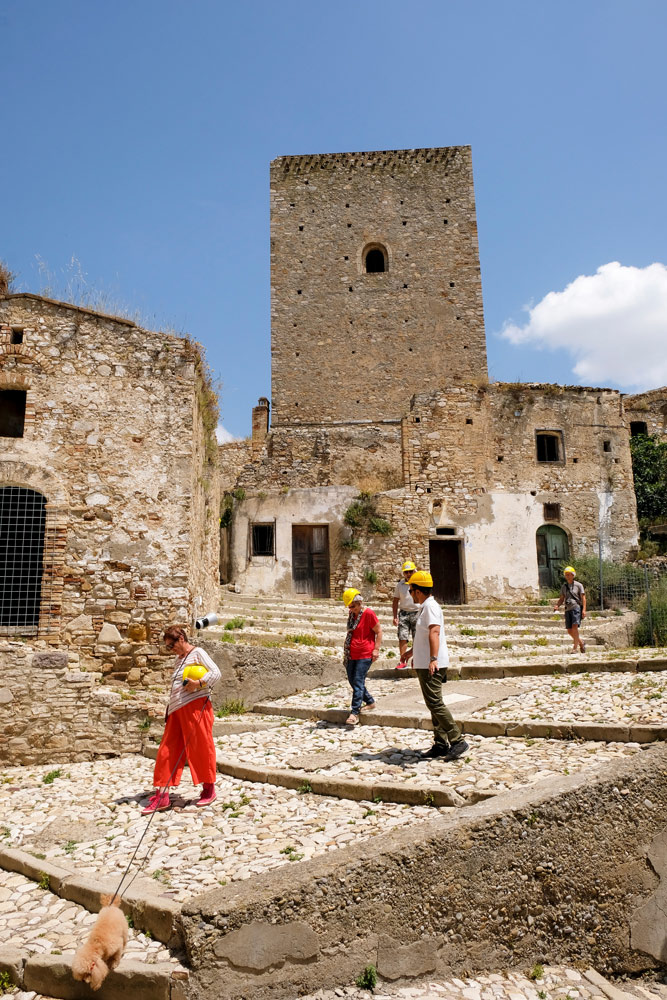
{"points": [[263, 539], [22, 523]]}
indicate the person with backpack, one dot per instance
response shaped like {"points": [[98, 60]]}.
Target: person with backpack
{"points": [[573, 595]]}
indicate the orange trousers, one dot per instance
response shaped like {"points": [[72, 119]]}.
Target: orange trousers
{"points": [[194, 727]]}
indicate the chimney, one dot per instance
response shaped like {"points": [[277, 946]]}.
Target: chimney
{"points": [[260, 424]]}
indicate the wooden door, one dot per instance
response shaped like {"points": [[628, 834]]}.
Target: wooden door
{"points": [[553, 552], [446, 570], [310, 559]]}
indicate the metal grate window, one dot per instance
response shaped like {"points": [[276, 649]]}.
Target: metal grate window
{"points": [[22, 524], [263, 539]]}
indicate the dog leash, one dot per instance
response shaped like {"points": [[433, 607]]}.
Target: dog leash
{"points": [[161, 792]]}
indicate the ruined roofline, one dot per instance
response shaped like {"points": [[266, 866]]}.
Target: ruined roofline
{"points": [[70, 305], [97, 314], [301, 163], [650, 393], [550, 386]]}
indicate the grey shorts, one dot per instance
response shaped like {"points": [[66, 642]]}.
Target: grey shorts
{"points": [[407, 623], [573, 617]]}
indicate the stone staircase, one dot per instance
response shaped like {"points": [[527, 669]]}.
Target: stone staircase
{"points": [[474, 634]]}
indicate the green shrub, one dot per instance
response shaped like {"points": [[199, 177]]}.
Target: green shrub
{"points": [[370, 576], [5, 983], [367, 980], [351, 544], [303, 640], [49, 778], [379, 526], [643, 636], [231, 707], [235, 623]]}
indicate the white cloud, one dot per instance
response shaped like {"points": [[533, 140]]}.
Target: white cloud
{"points": [[613, 323], [223, 435]]}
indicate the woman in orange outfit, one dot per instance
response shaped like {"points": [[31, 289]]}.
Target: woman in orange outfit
{"points": [[188, 733]]}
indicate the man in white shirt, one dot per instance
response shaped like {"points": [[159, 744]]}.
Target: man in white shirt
{"points": [[405, 611], [430, 658]]}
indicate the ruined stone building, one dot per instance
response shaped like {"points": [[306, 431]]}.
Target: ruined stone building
{"points": [[109, 491], [380, 386]]}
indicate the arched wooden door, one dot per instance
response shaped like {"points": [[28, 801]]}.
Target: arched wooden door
{"points": [[553, 552]]}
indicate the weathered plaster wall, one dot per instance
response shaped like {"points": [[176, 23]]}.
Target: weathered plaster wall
{"points": [[470, 463], [557, 873], [273, 574], [346, 344], [117, 443]]}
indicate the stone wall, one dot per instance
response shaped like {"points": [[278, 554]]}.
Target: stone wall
{"points": [[361, 454], [549, 874], [119, 442], [51, 711], [649, 408], [232, 457], [347, 344]]}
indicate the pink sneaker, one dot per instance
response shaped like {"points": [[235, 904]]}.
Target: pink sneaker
{"points": [[157, 803], [207, 796], [401, 665]]}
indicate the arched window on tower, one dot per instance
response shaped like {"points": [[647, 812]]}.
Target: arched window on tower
{"points": [[375, 259]]}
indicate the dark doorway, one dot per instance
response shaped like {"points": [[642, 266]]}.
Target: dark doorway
{"points": [[22, 522], [446, 570], [310, 559], [553, 552]]}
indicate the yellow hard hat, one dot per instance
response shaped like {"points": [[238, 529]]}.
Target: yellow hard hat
{"points": [[408, 564], [194, 672], [349, 595], [570, 569], [421, 579]]}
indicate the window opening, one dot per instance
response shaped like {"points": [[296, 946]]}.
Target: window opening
{"points": [[375, 261], [606, 445], [263, 539], [551, 511], [445, 531], [638, 427], [549, 446], [12, 412], [22, 524], [17, 336]]}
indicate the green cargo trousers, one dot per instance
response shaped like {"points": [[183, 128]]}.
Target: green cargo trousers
{"points": [[445, 730]]}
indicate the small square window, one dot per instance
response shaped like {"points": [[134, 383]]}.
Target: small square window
{"points": [[551, 511], [606, 445], [263, 539], [638, 427], [468, 420], [12, 412], [549, 446], [17, 335]]}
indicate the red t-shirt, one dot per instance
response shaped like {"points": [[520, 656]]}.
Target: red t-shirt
{"points": [[363, 637]]}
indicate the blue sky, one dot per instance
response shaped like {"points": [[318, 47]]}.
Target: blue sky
{"points": [[138, 135]]}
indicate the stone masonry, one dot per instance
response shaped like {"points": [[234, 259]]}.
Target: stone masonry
{"points": [[118, 438]]}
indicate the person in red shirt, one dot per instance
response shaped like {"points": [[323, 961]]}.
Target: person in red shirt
{"points": [[362, 647]]}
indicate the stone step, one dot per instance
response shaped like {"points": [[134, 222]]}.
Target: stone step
{"points": [[335, 608], [335, 639], [302, 622]]}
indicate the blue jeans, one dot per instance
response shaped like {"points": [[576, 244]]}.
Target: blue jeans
{"points": [[356, 675]]}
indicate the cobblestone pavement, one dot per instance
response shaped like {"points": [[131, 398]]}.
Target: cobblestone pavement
{"points": [[492, 765], [40, 923], [251, 828], [591, 697], [553, 983]]}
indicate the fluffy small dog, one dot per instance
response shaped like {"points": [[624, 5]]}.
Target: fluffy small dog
{"points": [[105, 945]]}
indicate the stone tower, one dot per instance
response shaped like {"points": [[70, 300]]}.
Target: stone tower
{"points": [[375, 281]]}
